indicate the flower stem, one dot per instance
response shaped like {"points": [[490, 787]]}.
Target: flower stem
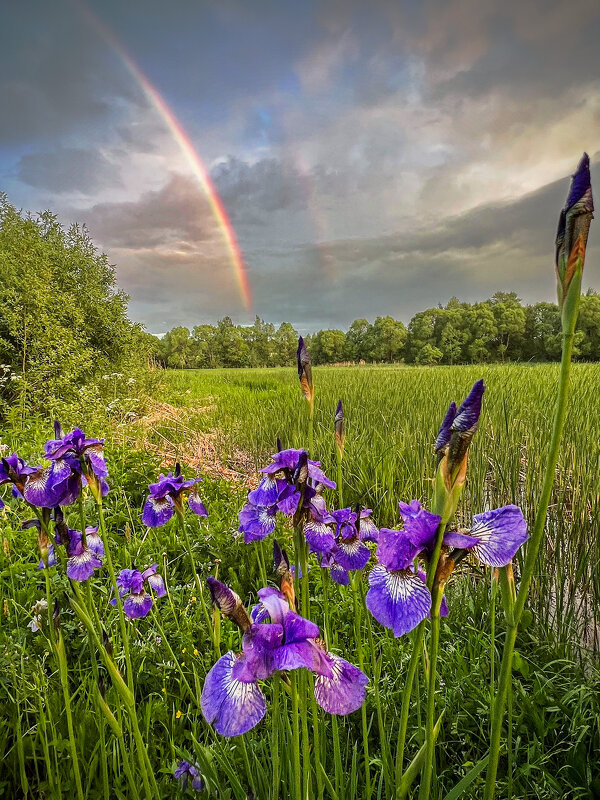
{"points": [[275, 737], [359, 648], [425, 787], [533, 549], [113, 580], [296, 737], [417, 645], [188, 547], [64, 681]]}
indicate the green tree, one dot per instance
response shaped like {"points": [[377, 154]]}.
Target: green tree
{"points": [[388, 339], [63, 321]]}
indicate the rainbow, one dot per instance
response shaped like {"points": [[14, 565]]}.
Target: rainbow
{"points": [[192, 158]]}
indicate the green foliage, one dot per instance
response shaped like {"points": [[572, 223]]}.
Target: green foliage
{"points": [[63, 322], [499, 329]]}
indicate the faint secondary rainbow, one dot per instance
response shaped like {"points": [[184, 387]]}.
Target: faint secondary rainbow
{"points": [[192, 158]]}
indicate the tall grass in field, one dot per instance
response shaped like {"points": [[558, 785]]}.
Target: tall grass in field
{"points": [[389, 454]]}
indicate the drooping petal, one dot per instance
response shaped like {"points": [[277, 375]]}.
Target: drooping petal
{"points": [[344, 691], [94, 541], [95, 453], [80, 567], [137, 605], [156, 583], [256, 522], [39, 489], [500, 533], [339, 575], [398, 600], [369, 532], [196, 505], [157, 511], [319, 536], [233, 706], [351, 554], [266, 494]]}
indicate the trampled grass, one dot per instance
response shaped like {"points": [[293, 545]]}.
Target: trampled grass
{"points": [[392, 418]]}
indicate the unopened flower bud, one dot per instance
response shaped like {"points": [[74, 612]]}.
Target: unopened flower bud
{"points": [[340, 428], [305, 372], [228, 603]]}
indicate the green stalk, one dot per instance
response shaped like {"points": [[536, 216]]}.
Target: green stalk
{"points": [[188, 547], [79, 606], [417, 647], [534, 545], [425, 787], [385, 753], [359, 647], [113, 580], [64, 682], [275, 737], [100, 721], [494, 587], [164, 639], [296, 737]]}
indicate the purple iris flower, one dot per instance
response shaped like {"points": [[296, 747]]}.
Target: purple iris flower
{"points": [[342, 547], [257, 517], [75, 461], [132, 586], [16, 471], [83, 560], [166, 497], [231, 697], [186, 771], [290, 486], [398, 597], [286, 462]]}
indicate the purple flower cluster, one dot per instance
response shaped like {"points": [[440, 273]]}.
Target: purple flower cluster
{"points": [[132, 586], [75, 461], [398, 596], [339, 538], [84, 552], [292, 482], [231, 697], [166, 497]]}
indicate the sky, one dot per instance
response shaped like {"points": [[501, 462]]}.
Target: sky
{"points": [[372, 158]]}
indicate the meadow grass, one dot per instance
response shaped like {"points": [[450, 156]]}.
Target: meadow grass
{"points": [[392, 417]]}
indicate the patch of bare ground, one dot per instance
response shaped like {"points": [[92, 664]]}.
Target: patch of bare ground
{"points": [[168, 432]]}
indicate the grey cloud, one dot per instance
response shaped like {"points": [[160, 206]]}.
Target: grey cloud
{"points": [[268, 185], [178, 212], [68, 169]]}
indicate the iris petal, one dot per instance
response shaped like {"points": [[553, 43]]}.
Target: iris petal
{"points": [[234, 707], [398, 600], [344, 691], [500, 533]]}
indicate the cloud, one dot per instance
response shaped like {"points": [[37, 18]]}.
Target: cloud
{"points": [[68, 169]]}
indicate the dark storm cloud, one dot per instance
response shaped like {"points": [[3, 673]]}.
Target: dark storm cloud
{"points": [[68, 169], [177, 212], [55, 73], [500, 246], [268, 185]]}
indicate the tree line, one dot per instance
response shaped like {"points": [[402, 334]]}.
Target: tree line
{"points": [[499, 329]]}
